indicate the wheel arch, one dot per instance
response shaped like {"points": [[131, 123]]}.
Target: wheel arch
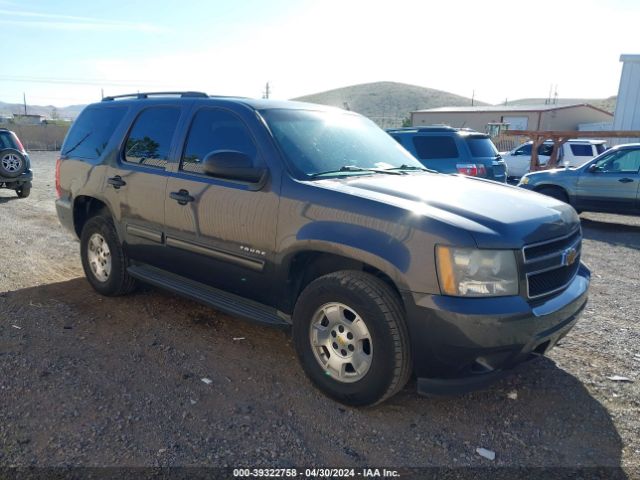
{"points": [[302, 267], [85, 207]]}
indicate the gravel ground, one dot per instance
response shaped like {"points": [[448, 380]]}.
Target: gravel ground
{"points": [[93, 381]]}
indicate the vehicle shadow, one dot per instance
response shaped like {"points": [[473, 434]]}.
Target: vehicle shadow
{"points": [[622, 234], [6, 198], [134, 368]]}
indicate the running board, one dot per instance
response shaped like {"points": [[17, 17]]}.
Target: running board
{"points": [[218, 299]]}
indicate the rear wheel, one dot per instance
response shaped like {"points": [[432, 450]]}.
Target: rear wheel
{"points": [[351, 338], [555, 192], [103, 258], [24, 190]]}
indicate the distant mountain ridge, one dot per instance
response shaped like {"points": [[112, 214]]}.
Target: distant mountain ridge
{"points": [[47, 111], [387, 103]]}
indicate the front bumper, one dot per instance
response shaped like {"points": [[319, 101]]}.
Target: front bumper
{"points": [[461, 344]]}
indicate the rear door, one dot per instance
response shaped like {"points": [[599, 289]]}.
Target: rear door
{"points": [[224, 235], [136, 183], [613, 185]]}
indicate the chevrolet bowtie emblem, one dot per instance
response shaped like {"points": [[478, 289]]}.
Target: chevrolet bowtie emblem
{"points": [[569, 256]]}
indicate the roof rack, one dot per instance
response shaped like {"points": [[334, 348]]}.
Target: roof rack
{"points": [[144, 95]]}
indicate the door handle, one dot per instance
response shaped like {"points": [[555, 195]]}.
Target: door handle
{"points": [[182, 197], [625, 180], [116, 182]]}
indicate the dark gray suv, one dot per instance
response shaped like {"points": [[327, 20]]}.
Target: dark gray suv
{"points": [[313, 219]]}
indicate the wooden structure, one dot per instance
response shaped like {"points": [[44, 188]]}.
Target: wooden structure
{"points": [[559, 138]]}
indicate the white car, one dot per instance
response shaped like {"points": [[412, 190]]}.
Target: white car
{"points": [[572, 154]]}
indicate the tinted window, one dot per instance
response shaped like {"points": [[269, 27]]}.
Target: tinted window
{"points": [[213, 130], [524, 150], [150, 139], [6, 141], [429, 147], [621, 161], [545, 149], [581, 150], [91, 132], [481, 147], [601, 147]]}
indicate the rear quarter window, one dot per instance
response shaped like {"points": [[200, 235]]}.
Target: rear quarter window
{"points": [[481, 147], [581, 150], [435, 146], [6, 141], [91, 132]]}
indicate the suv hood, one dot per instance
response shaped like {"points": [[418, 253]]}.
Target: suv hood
{"points": [[496, 215]]}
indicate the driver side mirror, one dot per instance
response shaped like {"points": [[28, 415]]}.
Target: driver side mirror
{"points": [[232, 165], [592, 168]]}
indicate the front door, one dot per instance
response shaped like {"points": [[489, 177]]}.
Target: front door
{"points": [[221, 232], [136, 182], [611, 185]]}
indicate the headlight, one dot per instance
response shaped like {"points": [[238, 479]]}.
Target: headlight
{"points": [[524, 180], [469, 272]]}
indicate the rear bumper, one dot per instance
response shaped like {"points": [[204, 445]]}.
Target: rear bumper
{"points": [[17, 181], [462, 344], [65, 214]]}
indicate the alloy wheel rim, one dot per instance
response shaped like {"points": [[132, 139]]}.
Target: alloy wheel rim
{"points": [[11, 162], [341, 342], [99, 257]]}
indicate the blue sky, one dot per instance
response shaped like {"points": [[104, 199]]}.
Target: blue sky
{"points": [[65, 52]]}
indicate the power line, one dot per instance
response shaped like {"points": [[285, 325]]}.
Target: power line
{"points": [[80, 81]]}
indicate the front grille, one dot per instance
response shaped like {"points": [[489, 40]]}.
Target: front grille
{"points": [[551, 265]]}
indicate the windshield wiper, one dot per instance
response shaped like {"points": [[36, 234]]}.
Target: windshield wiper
{"points": [[412, 167], [353, 168]]}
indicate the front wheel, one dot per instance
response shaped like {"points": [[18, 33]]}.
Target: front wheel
{"points": [[351, 338], [554, 192], [103, 258]]}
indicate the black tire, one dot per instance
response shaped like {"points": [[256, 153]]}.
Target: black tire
{"points": [[555, 192], [12, 163], [118, 282], [381, 310], [24, 190]]}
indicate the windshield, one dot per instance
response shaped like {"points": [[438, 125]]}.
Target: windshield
{"points": [[317, 142]]}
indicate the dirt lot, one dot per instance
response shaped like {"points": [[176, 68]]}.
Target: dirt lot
{"points": [[93, 381]]}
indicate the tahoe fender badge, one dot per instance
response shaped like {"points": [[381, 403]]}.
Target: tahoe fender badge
{"points": [[254, 251]]}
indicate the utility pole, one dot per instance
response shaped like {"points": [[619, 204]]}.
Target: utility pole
{"points": [[24, 100], [473, 96], [267, 91]]}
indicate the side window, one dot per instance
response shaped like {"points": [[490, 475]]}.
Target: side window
{"points": [[435, 146], [523, 150], [6, 141], [546, 149], [581, 149], [91, 132], [211, 130], [624, 161], [397, 138], [150, 138], [601, 147]]}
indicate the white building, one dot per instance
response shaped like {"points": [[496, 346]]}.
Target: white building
{"points": [[627, 116]]}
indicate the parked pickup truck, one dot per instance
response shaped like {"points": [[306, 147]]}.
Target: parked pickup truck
{"points": [[313, 219], [571, 154]]}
